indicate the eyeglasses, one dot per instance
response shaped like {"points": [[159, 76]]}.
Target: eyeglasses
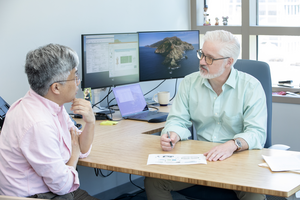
{"points": [[77, 79], [209, 60]]}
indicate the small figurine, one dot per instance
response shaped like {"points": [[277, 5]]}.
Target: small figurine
{"points": [[225, 20], [87, 94], [206, 21], [217, 21]]}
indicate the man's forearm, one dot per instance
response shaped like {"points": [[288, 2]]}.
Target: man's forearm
{"points": [[87, 137]]}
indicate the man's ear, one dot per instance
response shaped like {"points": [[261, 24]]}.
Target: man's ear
{"points": [[55, 88], [229, 62]]}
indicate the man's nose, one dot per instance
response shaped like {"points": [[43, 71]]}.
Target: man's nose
{"points": [[202, 61]]}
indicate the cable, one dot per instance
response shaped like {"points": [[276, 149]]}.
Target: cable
{"points": [[175, 90], [108, 104], [135, 184], [101, 100], [130, 196], [112, 100], [97, 171], [153, 107], [155, 87]]}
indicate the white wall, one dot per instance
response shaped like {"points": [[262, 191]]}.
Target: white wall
{"points": [[286, 125], [28, 24]]}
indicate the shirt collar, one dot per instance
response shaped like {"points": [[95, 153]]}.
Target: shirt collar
{"points": [[231, 81], [52, 106]]}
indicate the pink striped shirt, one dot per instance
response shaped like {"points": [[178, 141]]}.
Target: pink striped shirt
{"points": [[35, 145]]}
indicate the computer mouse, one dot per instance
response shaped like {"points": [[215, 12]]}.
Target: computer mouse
{"points": [[158, 119]]}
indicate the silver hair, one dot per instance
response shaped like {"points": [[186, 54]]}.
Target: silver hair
{"points": [[229, 45], [49, 64]]}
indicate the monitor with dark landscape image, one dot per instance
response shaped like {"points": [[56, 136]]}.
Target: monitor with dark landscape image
{"points": [[168, 54], [109, 60]]}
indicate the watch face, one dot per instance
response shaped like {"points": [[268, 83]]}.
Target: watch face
{"points": [[238, 144]]}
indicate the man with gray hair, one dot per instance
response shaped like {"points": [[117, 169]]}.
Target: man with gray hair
{"points": [[40, 146], [224, 105]]}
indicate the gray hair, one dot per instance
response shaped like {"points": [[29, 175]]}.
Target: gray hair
{"points": [[229, 46], [49, 64]]}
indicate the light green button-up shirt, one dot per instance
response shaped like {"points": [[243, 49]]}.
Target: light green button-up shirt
{"points": [[240, 111]]}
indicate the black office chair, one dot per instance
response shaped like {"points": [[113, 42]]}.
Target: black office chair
{"points": [[3, 110], [261, 71]]}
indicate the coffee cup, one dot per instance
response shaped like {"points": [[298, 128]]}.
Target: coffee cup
{"points": [[163, 98]]}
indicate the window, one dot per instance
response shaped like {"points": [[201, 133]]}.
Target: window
{"points": [[224, 8], [278, 13], [282, 54]]}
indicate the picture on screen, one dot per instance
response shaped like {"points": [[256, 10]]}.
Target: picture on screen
{"points": [[168, 54]]}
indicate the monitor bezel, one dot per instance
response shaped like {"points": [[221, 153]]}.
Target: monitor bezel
{"points": [[83, 84]]}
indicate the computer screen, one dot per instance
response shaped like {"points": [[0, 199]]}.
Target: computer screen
{"points": [[109, 60], [168, 54]]}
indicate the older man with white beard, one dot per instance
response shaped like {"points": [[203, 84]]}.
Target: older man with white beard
{"points": [[225, 106]]}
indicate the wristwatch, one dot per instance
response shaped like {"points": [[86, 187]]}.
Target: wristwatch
{"points": [[238, 143]]}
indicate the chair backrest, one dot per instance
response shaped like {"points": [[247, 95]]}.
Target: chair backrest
{"points": [[3, 110], [261, 71]]}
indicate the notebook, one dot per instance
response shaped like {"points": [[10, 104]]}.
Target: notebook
{"points": [[132, 104]]}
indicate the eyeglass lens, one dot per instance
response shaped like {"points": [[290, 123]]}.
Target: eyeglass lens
{"points": [[208, 59]]}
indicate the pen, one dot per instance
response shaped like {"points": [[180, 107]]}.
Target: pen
{"points": [[170, 138]]}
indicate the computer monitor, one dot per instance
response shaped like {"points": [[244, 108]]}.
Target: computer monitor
{"points": [[168, 54], [109, 60]]}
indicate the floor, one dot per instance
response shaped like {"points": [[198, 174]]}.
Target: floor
{"points": [[140, 195]]}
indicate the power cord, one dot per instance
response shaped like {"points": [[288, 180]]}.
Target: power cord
{"points": [[130, 196], [101, 99], [109, 91], [155, 87], [175, 90], [99, 171]]}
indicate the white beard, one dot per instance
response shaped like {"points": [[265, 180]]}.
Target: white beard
{"points": [[208, 75]]}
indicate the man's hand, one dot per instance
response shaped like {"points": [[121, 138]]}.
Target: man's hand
{"points": [[84, 108], [165, 141], [221, 152], [75, 148]]}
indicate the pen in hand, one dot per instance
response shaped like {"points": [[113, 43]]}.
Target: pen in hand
{"points": [[170, 138]]}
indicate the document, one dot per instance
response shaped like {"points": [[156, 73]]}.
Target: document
{"points": [[176, 159], [283, 162]]}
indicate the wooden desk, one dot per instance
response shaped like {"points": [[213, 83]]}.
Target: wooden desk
{"points": [[123, 148]]}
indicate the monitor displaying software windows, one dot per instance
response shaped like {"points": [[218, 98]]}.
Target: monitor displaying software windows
{"points": [[168, 54], [109, 59]]}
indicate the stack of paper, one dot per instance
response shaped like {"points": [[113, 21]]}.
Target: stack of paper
{"points": [[283, 163], [176, 159]]}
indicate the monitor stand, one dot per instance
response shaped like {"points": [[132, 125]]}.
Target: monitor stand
{"points": [[98, 110]]}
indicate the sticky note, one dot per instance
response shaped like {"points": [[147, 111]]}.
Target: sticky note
{"points": [[108, 123]]}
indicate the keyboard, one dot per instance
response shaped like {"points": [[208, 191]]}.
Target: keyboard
{"points": [[145, 114]]}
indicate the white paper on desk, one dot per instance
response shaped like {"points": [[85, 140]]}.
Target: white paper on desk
{"points": [[283, 163], [176, 159]]}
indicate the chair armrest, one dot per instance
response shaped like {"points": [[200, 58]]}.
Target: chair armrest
{"points": [[279, 147]]}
